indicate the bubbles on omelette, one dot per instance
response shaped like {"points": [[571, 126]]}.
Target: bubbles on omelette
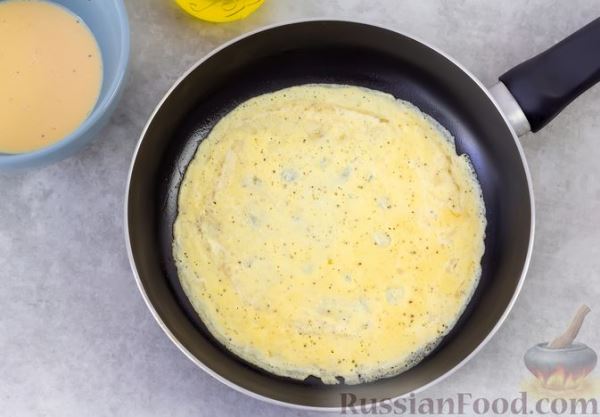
{"points": [[329, 230]]}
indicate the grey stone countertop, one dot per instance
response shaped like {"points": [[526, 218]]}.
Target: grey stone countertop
{"points": [[75, 336]]}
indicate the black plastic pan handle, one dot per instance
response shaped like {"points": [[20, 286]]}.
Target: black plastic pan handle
{"points": [[548, 82]]}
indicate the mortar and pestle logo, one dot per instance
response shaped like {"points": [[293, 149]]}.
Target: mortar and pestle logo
{"points": [[562, 364]]}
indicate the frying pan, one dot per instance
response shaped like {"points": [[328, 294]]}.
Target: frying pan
{"points": [[484, 123]]}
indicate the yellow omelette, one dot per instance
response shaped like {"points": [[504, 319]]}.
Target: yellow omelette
{"points": [[329, 230]]}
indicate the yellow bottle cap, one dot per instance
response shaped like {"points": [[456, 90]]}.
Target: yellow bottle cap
{"points": [[220, 10]]}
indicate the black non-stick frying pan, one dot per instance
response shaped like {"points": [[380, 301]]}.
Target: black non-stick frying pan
{"points": [[484, 123]]}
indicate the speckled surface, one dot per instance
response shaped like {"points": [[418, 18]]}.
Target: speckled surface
{"points": [[75, 336]]}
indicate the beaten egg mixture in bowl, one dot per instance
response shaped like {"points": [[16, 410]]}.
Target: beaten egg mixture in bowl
{"points": [[329, 231]]}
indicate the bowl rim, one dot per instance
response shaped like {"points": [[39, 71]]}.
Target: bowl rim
{"points": [[573, 347], [100, 108]]}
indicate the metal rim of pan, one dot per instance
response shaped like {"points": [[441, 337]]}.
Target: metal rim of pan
{"points": [[253, 394]]}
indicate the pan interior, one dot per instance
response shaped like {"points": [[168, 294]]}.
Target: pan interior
{"points": [[338, 53]]}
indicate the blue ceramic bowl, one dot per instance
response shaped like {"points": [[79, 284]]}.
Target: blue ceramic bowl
{"points": [[107, 19]]}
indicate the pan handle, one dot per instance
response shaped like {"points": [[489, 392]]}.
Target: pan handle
{"points": [[545, 84]]}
